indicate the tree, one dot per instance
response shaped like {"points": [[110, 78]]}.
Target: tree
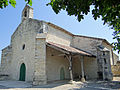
{"points": [[4, 3], [108, 10]]}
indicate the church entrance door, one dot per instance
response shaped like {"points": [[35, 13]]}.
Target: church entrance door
{"points": [[22, 72]]}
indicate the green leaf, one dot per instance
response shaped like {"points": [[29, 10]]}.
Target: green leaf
{"points": [[30, 2], [12, 2]]}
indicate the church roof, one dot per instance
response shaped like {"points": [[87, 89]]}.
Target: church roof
{"points": [[59, 28], [68, 49]]}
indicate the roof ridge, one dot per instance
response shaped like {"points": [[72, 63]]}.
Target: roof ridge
{"points": [[49, 23], [90, 37]]}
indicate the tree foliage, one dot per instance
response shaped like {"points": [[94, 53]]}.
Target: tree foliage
{"points": [[108, 10], [5, 3]]}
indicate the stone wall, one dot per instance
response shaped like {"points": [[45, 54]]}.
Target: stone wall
{"points": [[6, 60], [116, 70], [90, 67], [40, 61], [76, 68], [57, 36], [25, 34], [110, 49], [55, 61], [116, 58], [104, 65], [87, 44], [91, 45]]}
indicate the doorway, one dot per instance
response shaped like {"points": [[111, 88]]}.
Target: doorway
{"points": [[22, 72], [62, 74]]}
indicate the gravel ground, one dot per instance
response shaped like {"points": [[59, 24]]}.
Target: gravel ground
{"points": [[62, 85]]}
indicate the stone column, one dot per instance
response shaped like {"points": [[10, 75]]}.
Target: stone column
{"points": [[69, 57], [70, 68], [82, 69], [40, 76], [103, 68]]}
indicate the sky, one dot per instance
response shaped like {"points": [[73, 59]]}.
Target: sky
{"points": [[10, 18]]}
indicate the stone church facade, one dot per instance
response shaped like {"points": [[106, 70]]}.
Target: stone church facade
{"points": [[41, 52]]}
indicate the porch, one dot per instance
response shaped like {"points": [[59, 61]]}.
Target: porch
{"points": [[65, 62]]}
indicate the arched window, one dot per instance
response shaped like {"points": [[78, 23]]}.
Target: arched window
{"points": [[25, 13], [23, 47]]}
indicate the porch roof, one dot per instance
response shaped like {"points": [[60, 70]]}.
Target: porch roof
{"points": [[68, 49]]}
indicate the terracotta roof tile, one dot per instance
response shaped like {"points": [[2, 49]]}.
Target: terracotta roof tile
{"points": [[69, 49]]}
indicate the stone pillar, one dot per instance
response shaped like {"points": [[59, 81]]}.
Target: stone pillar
{"points": [[40, 76], [82, 69], [70, 68], [103, 71], [69, 57]]}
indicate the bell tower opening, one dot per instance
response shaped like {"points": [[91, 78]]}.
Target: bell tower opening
{"points": [[27, 12]]}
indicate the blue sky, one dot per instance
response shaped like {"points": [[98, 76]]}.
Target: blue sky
{"points": [[10, 18]]}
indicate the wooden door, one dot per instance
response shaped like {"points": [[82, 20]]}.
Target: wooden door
{"points": [[22, 72]]}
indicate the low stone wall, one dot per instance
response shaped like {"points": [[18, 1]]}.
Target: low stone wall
{"points": [[116, 70], [4, 77], [116, 78]]}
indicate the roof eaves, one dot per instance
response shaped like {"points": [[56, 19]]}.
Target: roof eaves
{"points": [[57, 48], [90, 54], [63, 49]]}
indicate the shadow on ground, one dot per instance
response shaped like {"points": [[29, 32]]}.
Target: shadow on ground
{"points": [[52, 84], [3, 87], [88, 85], [21, 84], [100, 85]]}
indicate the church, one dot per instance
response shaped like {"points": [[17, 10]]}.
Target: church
{"points": [[40, 52]]}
